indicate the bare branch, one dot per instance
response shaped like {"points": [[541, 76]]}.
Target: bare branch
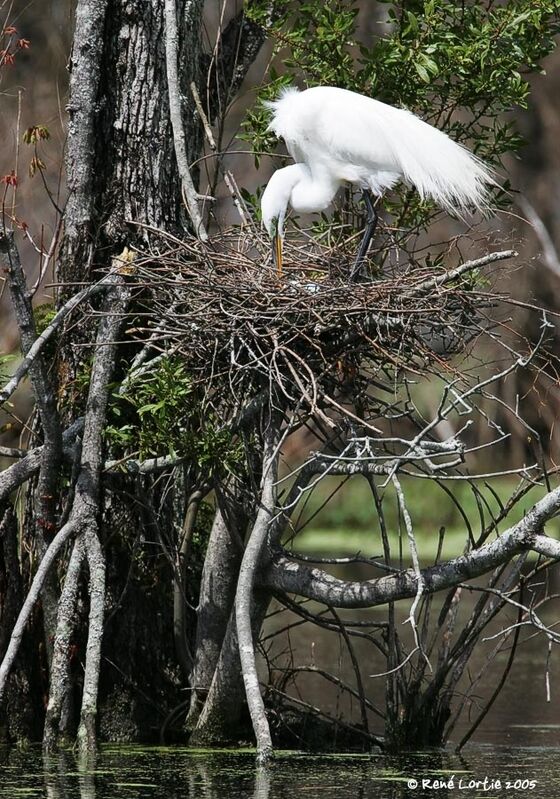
{"points": [[172, 60], [86, 61], [286, 575], [550, 253], [60, 539], [44, 391], [60, 667], [15, 475], [468, 266], [39, 342]]}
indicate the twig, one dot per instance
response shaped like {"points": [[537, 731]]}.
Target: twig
{"points": [[497, 689], [415, 564], [356, 666], [468, 266], [318, 712], [236, 197]]}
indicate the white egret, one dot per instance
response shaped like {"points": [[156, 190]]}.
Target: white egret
{"points": [[336, 136]]}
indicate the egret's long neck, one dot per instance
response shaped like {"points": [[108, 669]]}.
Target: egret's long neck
{"points": [[314, 192], [276, 196]]}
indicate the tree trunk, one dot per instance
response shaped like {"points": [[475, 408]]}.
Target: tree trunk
{"points": [[217, 592], [122, 176], [224, 718], [125, 169], [121, 162]]}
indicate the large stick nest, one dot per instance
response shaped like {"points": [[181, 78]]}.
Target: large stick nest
{"points": [[241, 327]]}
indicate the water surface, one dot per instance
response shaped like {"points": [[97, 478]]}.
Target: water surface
{"points": [[176, 773]]}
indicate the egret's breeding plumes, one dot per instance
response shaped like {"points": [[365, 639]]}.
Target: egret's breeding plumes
{"points": [[337, 136]]}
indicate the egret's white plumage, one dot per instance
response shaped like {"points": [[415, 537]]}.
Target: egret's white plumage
{"points": [[337, 136]]}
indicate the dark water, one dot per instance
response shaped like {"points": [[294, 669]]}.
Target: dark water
{"points": [[515, 751], [152, 772], [526, 712]]}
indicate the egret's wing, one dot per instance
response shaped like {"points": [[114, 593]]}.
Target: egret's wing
{"points": [[363, 140]]}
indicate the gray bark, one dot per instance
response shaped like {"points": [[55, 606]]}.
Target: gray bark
{"points": [[87, 735], [139, 176], [60, 667], [217, 592], [221, 718], [88, 496], [44, 391], [60, 539], [244, 595], [85, 71], [190, 194], [122, 171], [292, 577]]}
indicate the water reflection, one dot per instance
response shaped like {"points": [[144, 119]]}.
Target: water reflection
{"points": [[177, 773], [64, 772]]}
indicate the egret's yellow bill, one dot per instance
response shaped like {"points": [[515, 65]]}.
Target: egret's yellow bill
{"points": [[277, 253]]}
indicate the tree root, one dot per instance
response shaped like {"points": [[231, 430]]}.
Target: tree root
{"points": [[244, 596]]}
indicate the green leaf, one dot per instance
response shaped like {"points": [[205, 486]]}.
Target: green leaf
{"points": [[422, 72]]}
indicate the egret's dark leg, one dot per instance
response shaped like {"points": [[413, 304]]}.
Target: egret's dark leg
{"points": [[371, 224]]}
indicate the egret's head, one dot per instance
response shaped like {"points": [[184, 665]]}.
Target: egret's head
{"points": [[274, 204]]}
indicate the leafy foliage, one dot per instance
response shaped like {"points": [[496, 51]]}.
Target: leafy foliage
{"points": [[43, 315], [4, 360], [460, 66], [161, 412]]}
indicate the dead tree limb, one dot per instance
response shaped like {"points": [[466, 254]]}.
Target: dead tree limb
{"points": [[87, 498], [83, 515], [38, 344], [468, 266], [239, 44], [284, 574], [60, 539], [17, 474]]}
